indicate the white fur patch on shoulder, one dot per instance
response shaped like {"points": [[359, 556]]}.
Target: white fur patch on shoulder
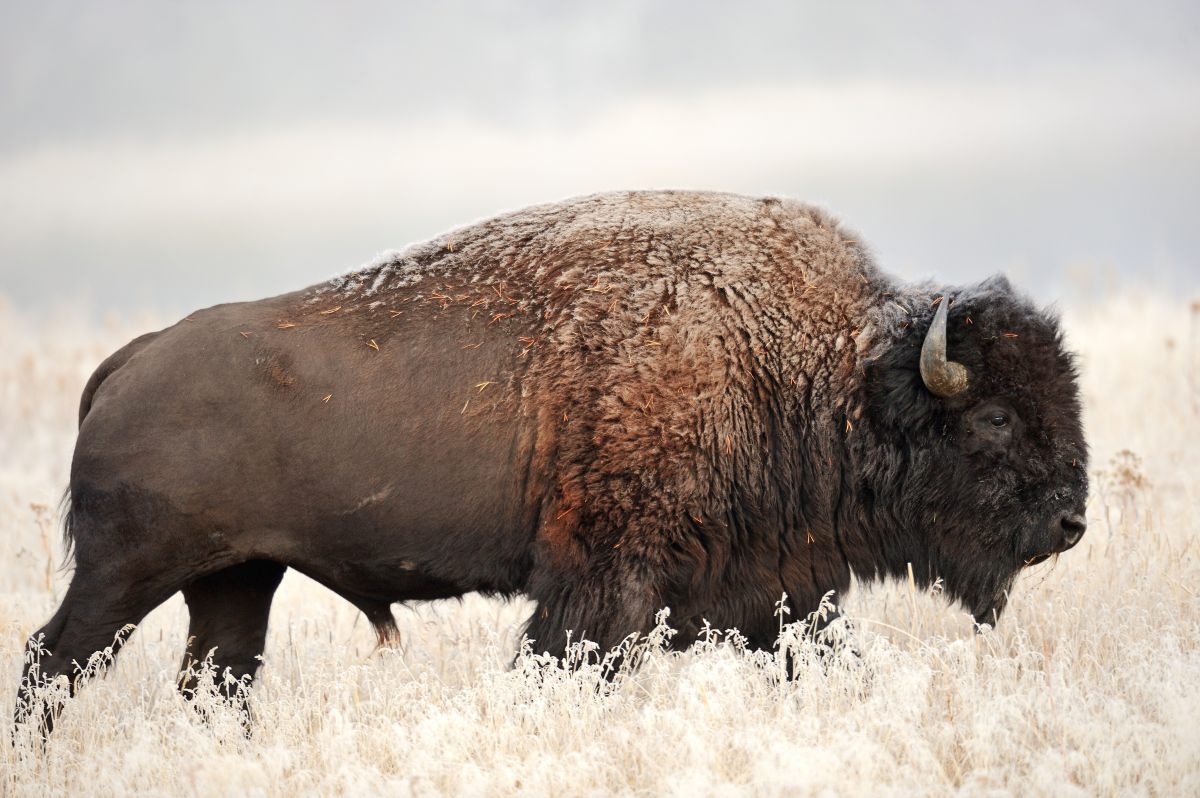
{"points": [[388, 270]]}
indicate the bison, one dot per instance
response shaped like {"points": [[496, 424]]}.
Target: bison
{"points": [[612, 404]]}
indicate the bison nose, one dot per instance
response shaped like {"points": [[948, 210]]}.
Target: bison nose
{"points": [[1073, 525]]}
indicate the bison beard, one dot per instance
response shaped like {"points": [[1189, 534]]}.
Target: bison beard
{"points": [[612, 404]]}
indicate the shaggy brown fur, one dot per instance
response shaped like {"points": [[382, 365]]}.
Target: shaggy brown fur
{"points": [[666, 342], [611, 404]]}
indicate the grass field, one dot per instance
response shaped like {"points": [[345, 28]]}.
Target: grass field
{"points": [[1090, 685]]}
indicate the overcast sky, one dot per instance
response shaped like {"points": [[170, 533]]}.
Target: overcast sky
{"points": [[167, 156]]}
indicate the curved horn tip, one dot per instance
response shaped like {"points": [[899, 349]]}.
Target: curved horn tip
{"points": [[943, 377]]}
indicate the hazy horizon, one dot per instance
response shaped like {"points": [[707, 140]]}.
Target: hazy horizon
{"points": [[165, 158]]}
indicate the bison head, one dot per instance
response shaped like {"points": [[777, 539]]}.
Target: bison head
{"points": [[980, 461]]}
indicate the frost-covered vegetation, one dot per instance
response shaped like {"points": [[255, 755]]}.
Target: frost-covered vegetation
{"points": [[1090, 685]]}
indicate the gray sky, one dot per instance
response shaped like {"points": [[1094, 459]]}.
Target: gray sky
{"points": [[169, 156]]}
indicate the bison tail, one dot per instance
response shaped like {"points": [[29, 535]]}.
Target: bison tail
{"points": [[102, 372], [68, 528]]}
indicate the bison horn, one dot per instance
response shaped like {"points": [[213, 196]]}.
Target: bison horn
{"points": [[942, 377]]}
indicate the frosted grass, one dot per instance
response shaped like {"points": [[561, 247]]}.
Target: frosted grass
{"points": [[1090, 685]]}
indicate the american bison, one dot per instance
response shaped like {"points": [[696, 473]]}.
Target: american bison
{"points": [[610, 404]]}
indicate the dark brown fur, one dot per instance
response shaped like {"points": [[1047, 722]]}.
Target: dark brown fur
{"points": [[611, 405]]}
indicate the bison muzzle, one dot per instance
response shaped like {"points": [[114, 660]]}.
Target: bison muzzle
{"points": [[611, 405]]}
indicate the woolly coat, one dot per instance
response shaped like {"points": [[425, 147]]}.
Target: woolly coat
{"points": [[685, 367], [611, 404]]}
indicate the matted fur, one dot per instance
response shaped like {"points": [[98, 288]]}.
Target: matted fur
{"points": [[678, 350], [612, 404]]}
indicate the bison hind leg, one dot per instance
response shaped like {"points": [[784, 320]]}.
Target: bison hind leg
{"points": [[85, 635], [228, 628]]}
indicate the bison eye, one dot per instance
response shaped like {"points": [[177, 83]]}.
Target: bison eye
{"points": [[991, 425]]}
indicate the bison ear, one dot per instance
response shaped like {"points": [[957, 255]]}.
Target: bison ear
{"points": [[896, 394]]}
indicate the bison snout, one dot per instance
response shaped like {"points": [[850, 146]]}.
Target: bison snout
{"points": [[1070, 528]]}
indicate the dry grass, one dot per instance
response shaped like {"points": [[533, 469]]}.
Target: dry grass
{"points": [[1090, 686]]}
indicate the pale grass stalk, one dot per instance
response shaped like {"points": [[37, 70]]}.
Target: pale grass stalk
{"points": [[1090, 684]]}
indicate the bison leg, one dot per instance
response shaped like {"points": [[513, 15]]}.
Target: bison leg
{"points": [[96, 615], [229, 612], [605, 608], [830, 645]]}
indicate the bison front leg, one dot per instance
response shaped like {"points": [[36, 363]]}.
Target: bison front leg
{"points": [[823, 632], [604, 606], [229, 611]]}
